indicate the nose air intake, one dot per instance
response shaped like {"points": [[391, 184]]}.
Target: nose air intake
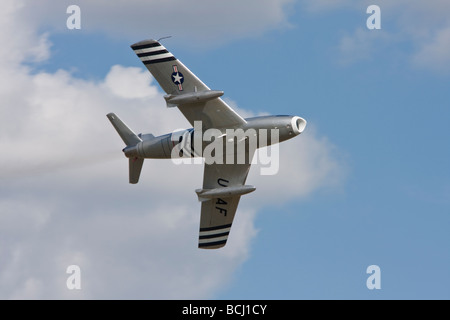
{"points": [[298, 124], [131, 140]]}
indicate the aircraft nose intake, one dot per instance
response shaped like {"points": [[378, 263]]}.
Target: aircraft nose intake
{"points": [[298, 124]]}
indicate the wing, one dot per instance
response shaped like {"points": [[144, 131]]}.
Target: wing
{"points": [[223, 185], [194, 99]]}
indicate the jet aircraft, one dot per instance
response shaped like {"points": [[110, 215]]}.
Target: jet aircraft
{"points": [[227, 166]]}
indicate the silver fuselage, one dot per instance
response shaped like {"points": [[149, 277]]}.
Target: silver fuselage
{"points": [[256, 133]]}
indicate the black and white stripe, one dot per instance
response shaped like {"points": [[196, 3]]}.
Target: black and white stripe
{"points": [[152, 52], [214, 236]]}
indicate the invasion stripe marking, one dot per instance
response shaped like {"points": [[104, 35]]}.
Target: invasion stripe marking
{"points": [[159, 60], [144, 46], [213, 240], [210, 244], [213, 232], [151, 53], [158, 56], [216, 227], [209, 236], [149, 50]]}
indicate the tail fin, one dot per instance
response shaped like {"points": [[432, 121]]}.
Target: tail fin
{"points": [[130, 139]]}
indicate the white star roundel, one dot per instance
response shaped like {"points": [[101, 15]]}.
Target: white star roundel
{"points": [[177, 78]]}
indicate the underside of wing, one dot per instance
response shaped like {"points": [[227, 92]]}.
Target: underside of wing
{"points": [[223, 186], [215, 222], [180, 83]]}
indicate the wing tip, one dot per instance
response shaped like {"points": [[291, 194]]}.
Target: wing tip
{"points": [[146, 42], [212, 245], [213, 237]]}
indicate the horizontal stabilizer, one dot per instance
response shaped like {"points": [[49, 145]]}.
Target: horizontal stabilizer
{"points": [[208, 194], [127, 135], [191, 97]]}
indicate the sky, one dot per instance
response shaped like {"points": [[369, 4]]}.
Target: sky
{"points": [[367, 183]]}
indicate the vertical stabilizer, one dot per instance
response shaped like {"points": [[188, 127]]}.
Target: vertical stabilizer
{"points": [[130, 139]]}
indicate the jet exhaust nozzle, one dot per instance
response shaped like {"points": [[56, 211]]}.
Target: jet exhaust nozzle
{"points": [[131, 152]]}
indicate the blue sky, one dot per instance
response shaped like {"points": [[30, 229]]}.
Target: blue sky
{"points": [[376, 189]]}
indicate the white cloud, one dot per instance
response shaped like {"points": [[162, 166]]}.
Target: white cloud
{"points": [[324, 5], [421, 25], [306, 163], [130, 83], [363, 45], [358, 46], [201, 20], [425, 25], [64, 196], [27, 46], [435, 53]]}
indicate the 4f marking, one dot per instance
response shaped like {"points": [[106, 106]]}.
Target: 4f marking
{"points": [[223, 183]]}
